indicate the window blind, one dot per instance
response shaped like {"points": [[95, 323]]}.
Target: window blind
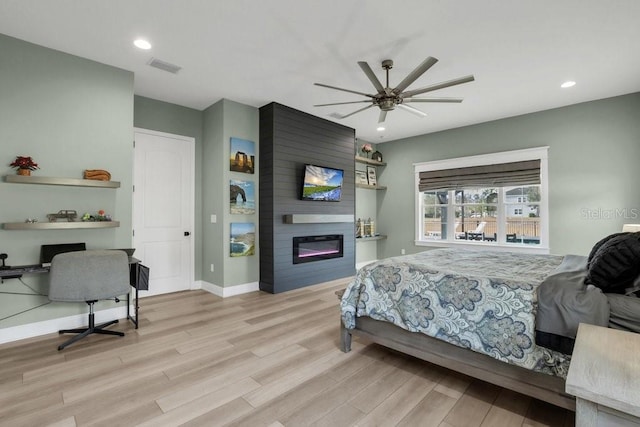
{"points": [[497, 175]]}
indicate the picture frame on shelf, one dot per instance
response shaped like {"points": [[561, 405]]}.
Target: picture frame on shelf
{"points": [[371, 176], [361, 177]]}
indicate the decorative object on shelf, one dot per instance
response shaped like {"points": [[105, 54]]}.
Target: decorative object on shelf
{"points": [[366, 228], [31, 220], [101, 216], [377, 156], [361, 177], [24, 164], [359, 228], [68, 214], [366, 149], [97, 174], [371, 175]]}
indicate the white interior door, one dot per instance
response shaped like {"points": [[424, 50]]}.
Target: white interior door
{"points": [[163, 209]]}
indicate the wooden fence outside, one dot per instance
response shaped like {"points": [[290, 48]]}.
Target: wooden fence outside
{"points": [[520, 226]]}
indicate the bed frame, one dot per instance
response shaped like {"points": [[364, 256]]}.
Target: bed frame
{"points": [[535, 384]]}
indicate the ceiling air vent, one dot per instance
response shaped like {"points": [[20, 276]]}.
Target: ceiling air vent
{"points": [[165, 66]]}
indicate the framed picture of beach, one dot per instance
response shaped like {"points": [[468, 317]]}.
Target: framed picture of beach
{"points": [[242, 239], [243, 197], [243, 155]]}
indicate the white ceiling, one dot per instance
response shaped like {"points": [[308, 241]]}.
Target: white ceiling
{"points": [[258, 51]]}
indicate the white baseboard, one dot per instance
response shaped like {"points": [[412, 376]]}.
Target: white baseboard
{"points": [[31, 330], [229, 291]]}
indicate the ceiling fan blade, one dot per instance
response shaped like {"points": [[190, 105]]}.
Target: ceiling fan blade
{"points": [[355, 112], [432, 100], [342, 103], [412, 110], [372, 77], [413, 76], [383, 116], [344, 90], [437, 86]]}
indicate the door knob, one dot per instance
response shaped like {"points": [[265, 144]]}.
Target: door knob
{"points": [[186, 233]]}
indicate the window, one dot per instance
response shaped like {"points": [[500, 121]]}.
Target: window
{"points": [[493, 200]]}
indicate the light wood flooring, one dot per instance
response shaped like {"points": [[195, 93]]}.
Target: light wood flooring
{"points": [[250, 360]]}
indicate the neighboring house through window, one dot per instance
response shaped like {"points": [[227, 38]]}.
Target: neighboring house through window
{"points": [[497, 200]]}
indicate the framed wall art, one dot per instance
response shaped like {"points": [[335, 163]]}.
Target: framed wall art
{"points": [[243, 155], [361, 177], [243, 239], [242, 197], [371, 175]]}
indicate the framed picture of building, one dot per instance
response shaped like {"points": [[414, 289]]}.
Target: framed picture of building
{"points": [[243, 155]]}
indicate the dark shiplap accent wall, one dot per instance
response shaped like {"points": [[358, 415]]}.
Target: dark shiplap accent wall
{"points": [[289, 139]]}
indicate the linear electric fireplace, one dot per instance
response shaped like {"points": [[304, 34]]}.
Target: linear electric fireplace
{"points": [[316, 248]]}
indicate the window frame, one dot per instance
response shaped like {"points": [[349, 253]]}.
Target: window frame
{"points": [[537, 153]]}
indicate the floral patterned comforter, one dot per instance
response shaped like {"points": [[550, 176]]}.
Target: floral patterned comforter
{"points": [[484, 301]]}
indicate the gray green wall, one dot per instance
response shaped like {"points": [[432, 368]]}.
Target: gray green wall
{"points": [[69, 114], [594, 150], [72, 114], [223, 120], [367, 207]]}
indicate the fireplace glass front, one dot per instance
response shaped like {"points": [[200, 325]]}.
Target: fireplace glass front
{"points": [[316, 248]]}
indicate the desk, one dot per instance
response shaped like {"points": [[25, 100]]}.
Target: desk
{"points": [[134, 264], [603, 377]]}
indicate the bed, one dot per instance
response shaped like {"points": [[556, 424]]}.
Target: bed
{"points": [[479, 313]]}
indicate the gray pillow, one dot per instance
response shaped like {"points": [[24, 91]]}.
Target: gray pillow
{"points": [[624, 312], [615, 263]]}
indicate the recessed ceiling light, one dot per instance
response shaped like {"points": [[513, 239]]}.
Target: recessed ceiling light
{"points": [[142, 44], [567, 84], [380, 128]]}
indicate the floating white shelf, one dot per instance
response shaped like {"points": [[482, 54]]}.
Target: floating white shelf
{"points": [[369, 161], [74, 182], [371, 187], [367, 239], [59, 225]]}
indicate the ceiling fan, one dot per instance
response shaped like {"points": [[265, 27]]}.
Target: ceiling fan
{"points": [[388, 98]]}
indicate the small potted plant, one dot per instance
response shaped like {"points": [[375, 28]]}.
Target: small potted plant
{"points": [[366, 149], [24, 165]]}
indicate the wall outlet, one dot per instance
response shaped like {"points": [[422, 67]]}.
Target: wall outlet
{"points": [[214, 218], [212, 268], [402, 252]]}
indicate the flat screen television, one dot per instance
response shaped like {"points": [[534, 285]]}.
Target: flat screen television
{"points": [[322, 183]]}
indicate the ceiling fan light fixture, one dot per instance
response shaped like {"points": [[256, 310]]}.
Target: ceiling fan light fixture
{"points": [[387, 98]]}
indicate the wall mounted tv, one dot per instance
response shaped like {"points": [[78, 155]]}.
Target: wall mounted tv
{"points": [[322, 183]]}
